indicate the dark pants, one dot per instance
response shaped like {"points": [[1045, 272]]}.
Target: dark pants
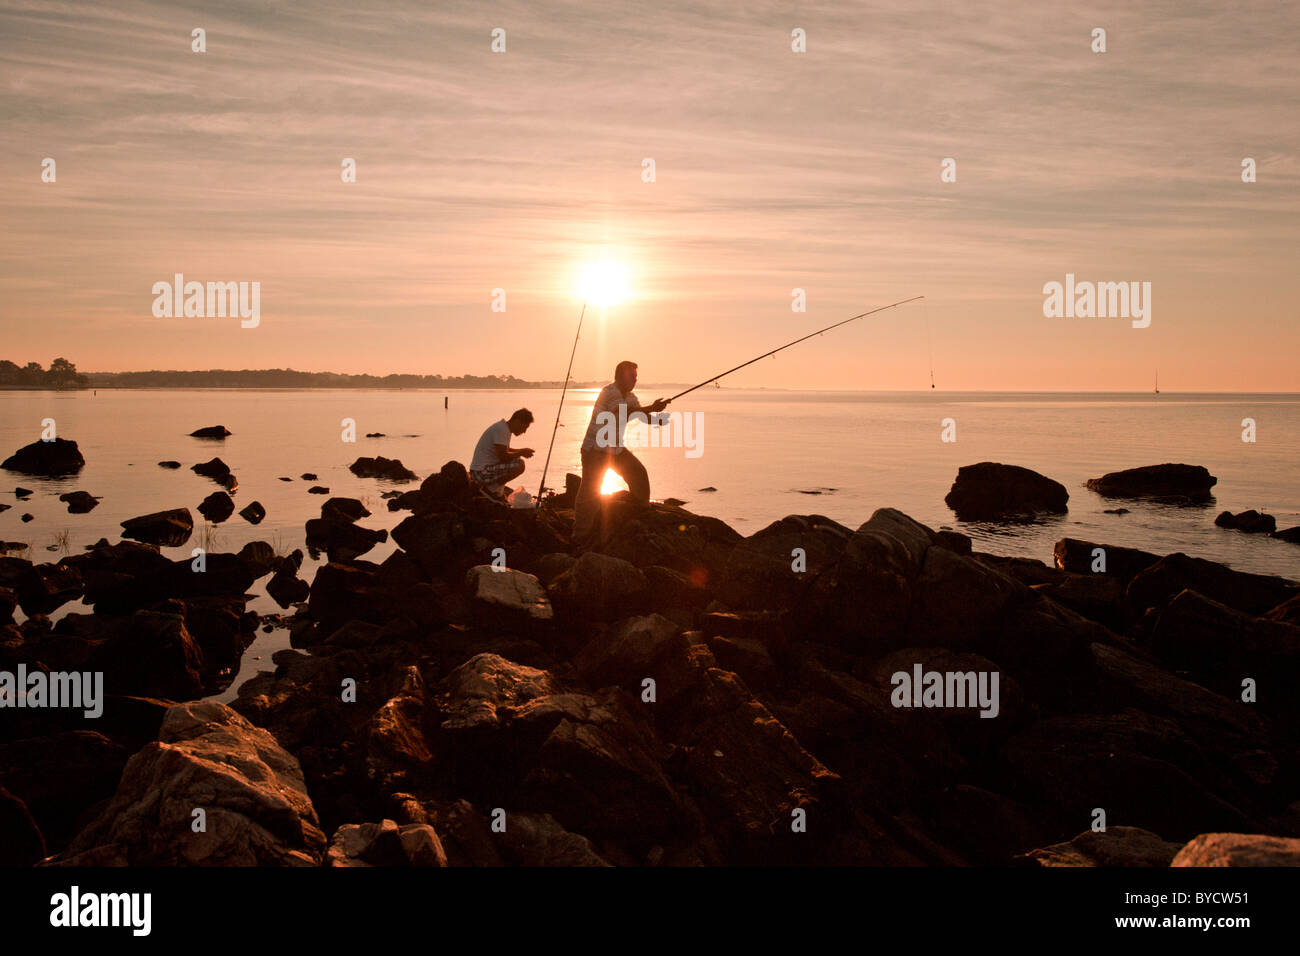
{"points": [[587, 510]]}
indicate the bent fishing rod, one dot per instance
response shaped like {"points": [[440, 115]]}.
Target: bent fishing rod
{"points": [[861, 315]]}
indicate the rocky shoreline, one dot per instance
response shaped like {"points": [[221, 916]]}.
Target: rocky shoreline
{"points": [[685, 696]]}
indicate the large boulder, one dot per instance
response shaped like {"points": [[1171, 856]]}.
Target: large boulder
{"points": [[211, 431], [207, 757], [342, 540], [216, 507], [774, 568], [1088, 557], [1239, 849], [1176, 482], [58, 456], [990, 491], [386, 844], [505, 596]]}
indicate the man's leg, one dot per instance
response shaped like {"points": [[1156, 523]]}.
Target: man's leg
{"points": [[586, 510], [631, 470]]}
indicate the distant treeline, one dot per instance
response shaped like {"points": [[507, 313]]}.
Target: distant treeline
{"points": [[60, 374], [289, 378]]}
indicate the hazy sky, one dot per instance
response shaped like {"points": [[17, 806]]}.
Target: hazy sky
{"points": [[774, 170]]}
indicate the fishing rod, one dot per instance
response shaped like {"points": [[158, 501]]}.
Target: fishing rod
{"points": [[787, 345], [563, 392]]}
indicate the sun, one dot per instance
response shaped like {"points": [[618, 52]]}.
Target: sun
{"points": [[603, 283]]}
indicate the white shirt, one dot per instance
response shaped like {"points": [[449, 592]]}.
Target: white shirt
{"points": [[608, 420], [485, 451]]}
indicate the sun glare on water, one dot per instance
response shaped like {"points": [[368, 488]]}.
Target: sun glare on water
{"points": [[603, 283]]}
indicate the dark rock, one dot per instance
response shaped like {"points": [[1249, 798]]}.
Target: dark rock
{"points": [[217, 506], [79, 502], [1114, 846], [21, 843], [344, 509], [1169, 481], [283, 478], [214, 468], [1290, 534], [307, 476], [211, 431], [433, 540], [1252, 522], [390, 469], [285, 587], [27, 517], [342, 540], [341, 592], [61, 775], [506, 597], [990, 491], [51, 458], [317, 490], [169, 464], [47, 587], [22, 493], [1218, 647], [1080, 557], [260, 558], [599, 588], [386, 844], [774, 567], [253, 512], [1253, 593]]}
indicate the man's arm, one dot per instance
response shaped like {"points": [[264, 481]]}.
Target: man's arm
{"points": [[505, 452]]}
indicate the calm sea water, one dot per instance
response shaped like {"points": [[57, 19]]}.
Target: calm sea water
{"points": [[762, 450]]}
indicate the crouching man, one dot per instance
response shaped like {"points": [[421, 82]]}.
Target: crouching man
{"points": [[495, 462]]}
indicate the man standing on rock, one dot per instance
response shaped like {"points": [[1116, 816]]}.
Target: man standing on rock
{"points": [[603, 449], [495, 462]]}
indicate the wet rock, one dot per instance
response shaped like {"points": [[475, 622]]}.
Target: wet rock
{"points": [[260, 558], [166, 528], [307, 476], [390, 469], [1176, 482], [207, 756], [253, 512], [342, 540], [1115, 846], [1252, 522], [1239, 849], [344, 509], [317, 490], [51, 458], [218, 471], [169, 464], [990, 491], [217, 506], [211, 431], [79, 502]]}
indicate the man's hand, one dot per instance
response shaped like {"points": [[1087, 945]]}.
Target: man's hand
{"points": [[525, 452], [658, 406]]}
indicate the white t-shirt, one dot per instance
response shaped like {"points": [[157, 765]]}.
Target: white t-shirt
{"points": [[485, 451], [605, 430]]}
